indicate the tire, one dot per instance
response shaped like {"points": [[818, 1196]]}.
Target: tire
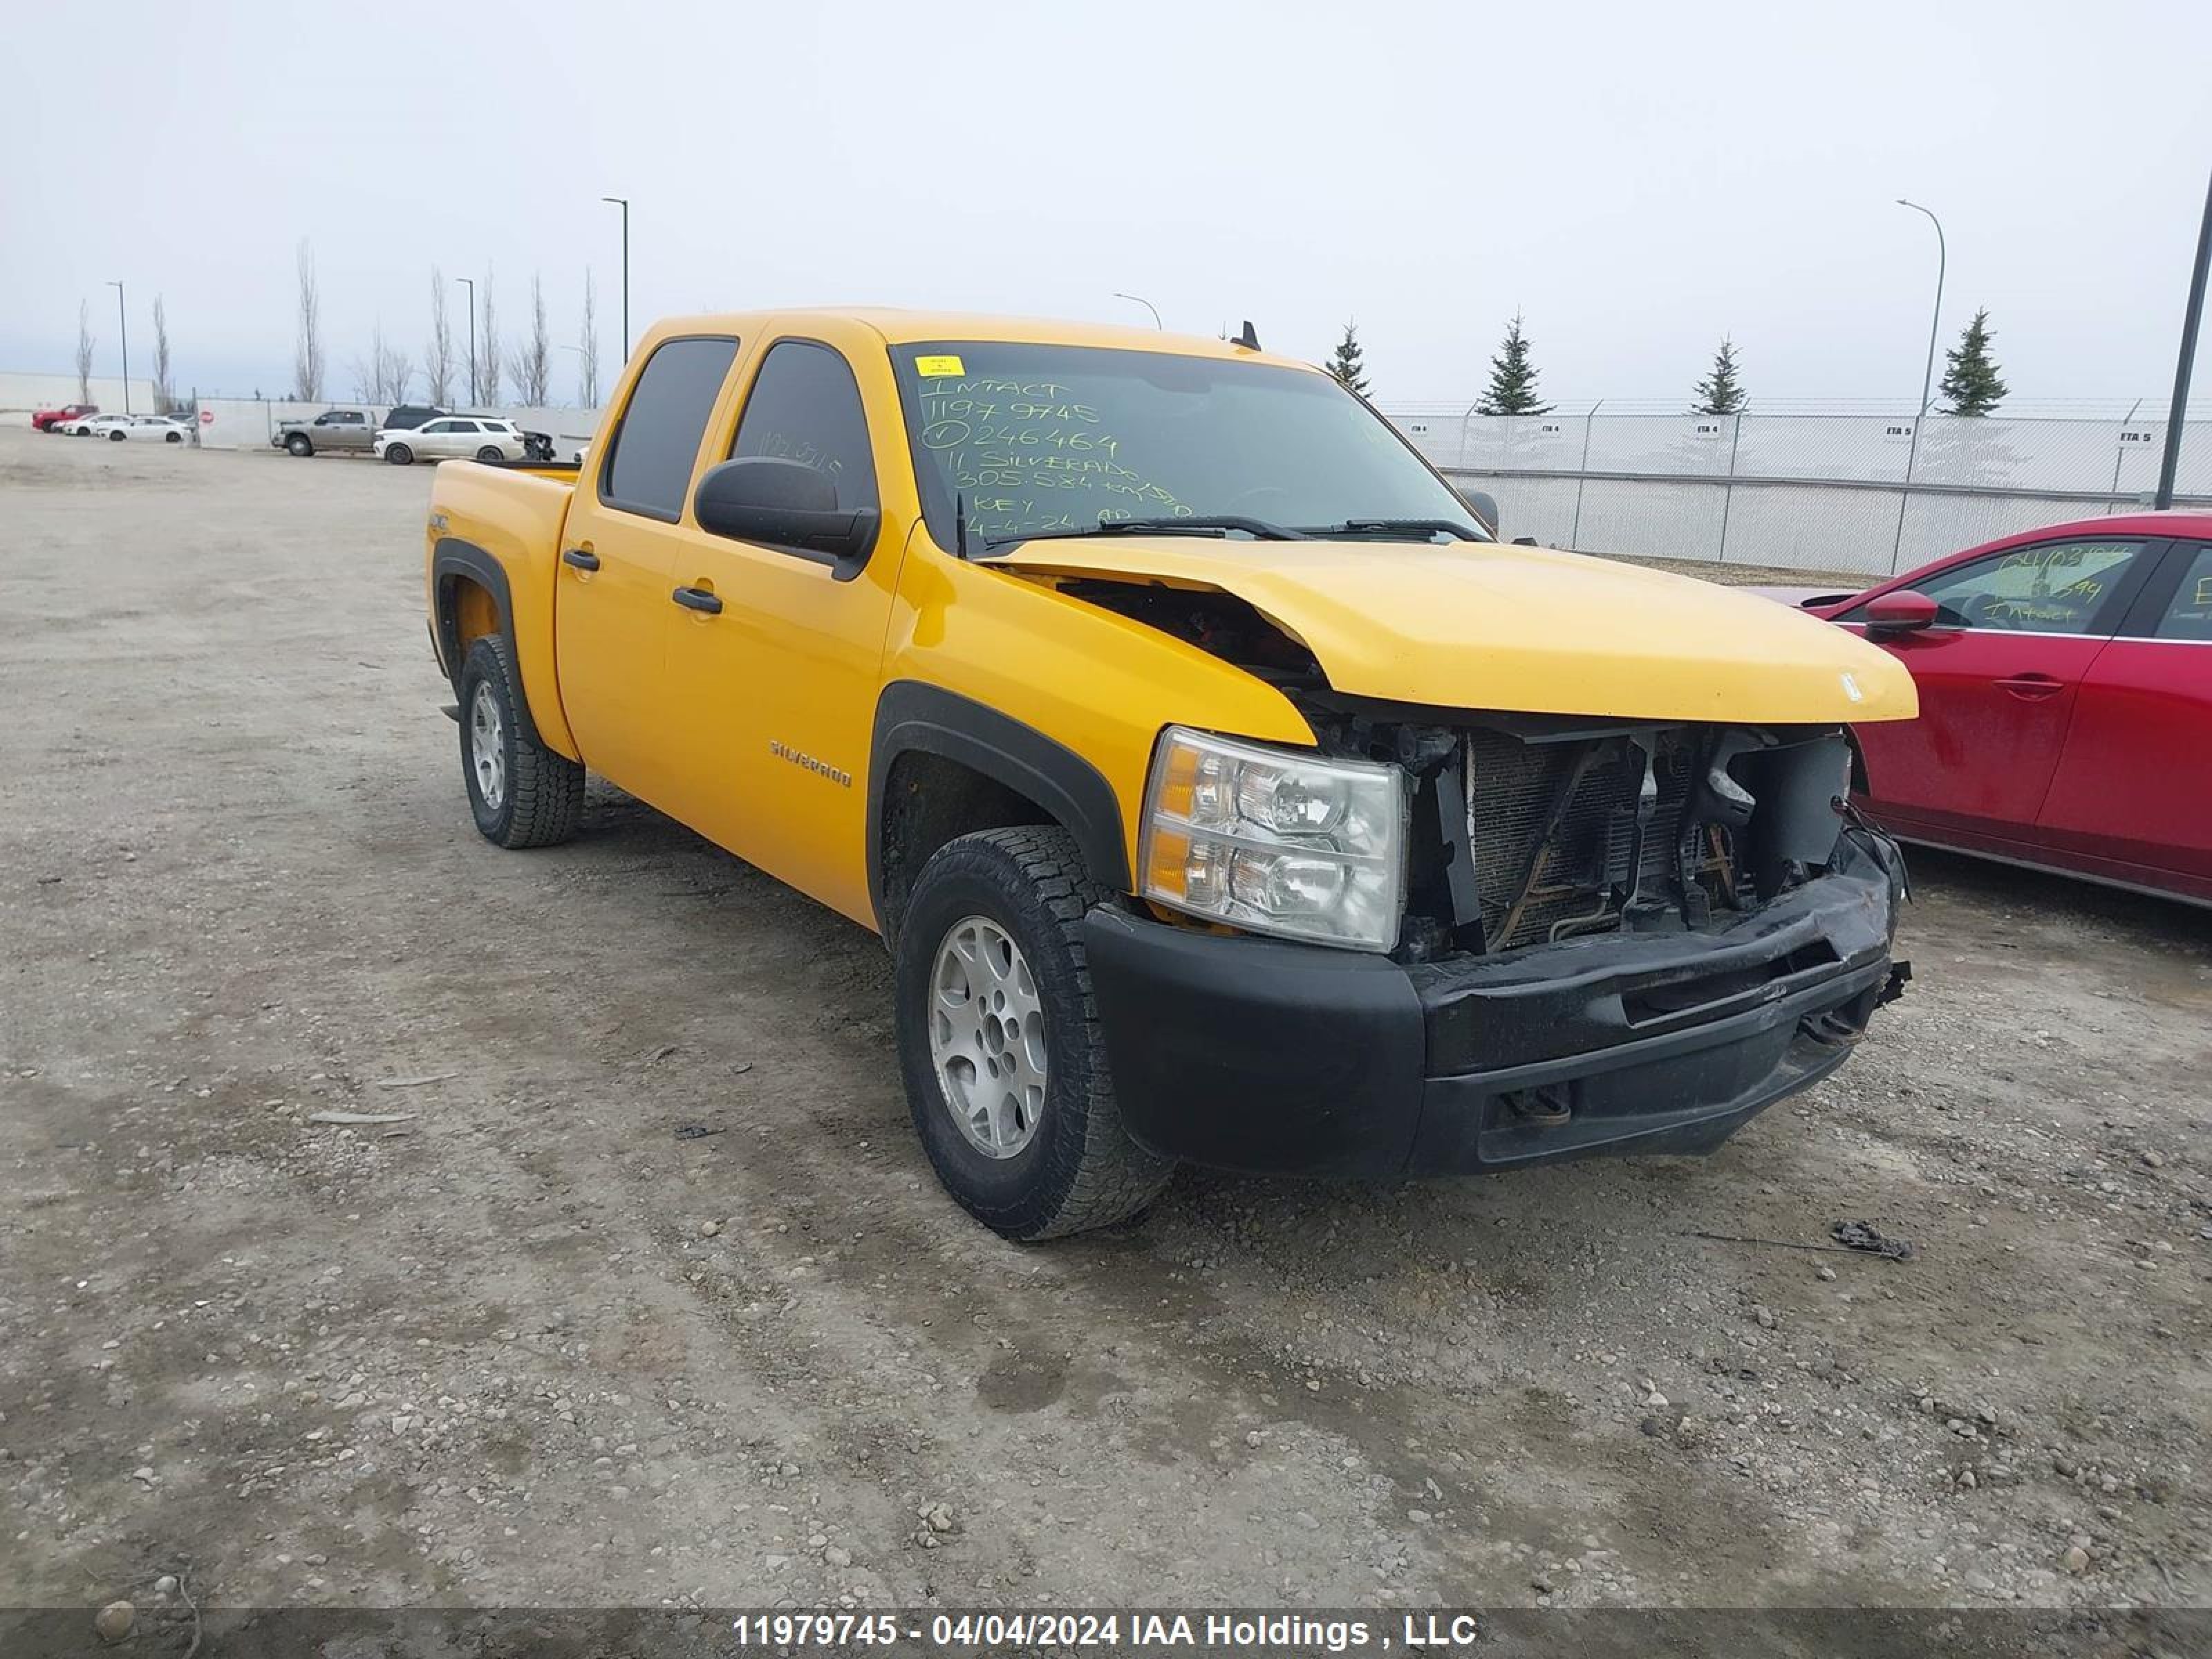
{"points": [[521, 793], [1076, 1167], [398, 454], [490, 452], [173, 437], [116, 436], [300, 444]]}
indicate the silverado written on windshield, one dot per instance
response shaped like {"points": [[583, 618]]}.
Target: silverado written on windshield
{"points": [[1224, 790]]}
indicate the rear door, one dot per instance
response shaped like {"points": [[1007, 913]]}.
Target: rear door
{"points": [[631, 518], [2135, 785], [1998, 675]]}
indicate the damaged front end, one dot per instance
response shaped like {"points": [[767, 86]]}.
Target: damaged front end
{"points": [[1617, 935]]}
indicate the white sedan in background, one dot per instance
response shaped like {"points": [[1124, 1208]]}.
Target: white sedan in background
{"points": [[154, 429], [449, 437]]}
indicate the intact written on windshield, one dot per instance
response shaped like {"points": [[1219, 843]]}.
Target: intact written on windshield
{"points": [[1013, 441]]}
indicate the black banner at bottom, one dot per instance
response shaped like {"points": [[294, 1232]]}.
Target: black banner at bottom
{"points": [[169, 1629]]}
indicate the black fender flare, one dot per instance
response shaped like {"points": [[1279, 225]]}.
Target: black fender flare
{"points": [[451, 560], [912, 716]]}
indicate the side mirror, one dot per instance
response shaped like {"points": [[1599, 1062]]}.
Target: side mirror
{"points": [[789, 504], [1903, 612], [1484, 505]]}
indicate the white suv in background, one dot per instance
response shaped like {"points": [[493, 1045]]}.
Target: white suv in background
{"points": [[473, 437]]}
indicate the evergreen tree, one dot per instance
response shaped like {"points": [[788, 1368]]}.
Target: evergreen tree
{"points": [[1512, 389], [1720, 392], [1971, 380], [1344, 363]]}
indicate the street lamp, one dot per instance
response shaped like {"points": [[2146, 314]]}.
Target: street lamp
{"points": [[123, 325], [471, 288], [623, 202], [1927, 379], [1139, 298]]}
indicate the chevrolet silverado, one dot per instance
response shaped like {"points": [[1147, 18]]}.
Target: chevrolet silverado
{"points": [[1223, 789]]}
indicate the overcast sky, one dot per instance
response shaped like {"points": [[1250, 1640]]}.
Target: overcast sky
{"points": [[1635, 178]]}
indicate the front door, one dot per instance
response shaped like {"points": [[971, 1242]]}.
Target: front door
{"points": [[2136, 781], [775, 690], [630, 513], [1999, 674]]}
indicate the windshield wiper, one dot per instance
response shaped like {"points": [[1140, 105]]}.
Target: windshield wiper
{"points": [[1386, 527], [1216, 523]]}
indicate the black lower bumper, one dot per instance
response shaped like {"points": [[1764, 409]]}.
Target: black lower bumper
{"points": [[1279, 1059]]}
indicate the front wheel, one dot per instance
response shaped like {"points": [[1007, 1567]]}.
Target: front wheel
{"points": [[398, 454], [117, 437], [300, 444], [521, 793], [1000, 1043]]}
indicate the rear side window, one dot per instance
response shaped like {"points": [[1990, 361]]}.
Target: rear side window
{"points": [[2188, 614], [648, 464], [805, 406]]}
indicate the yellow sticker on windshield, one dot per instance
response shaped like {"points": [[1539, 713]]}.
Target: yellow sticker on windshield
{"points": [[935, 367]]}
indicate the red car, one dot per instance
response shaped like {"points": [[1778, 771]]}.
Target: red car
{"points": [[2066, 681], [45, 419]]}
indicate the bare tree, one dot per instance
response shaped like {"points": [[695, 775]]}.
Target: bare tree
{"points": [[307, 354], [398, 370], [163, 400], [438, 362], [487, 350], [532, 359], [587, 360], [85, 341]]}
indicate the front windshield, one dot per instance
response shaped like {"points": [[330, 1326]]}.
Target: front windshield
{"points": [[1051, 440]]}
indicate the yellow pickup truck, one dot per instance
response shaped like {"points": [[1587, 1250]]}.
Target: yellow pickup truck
{"points": [[1223, 789]]}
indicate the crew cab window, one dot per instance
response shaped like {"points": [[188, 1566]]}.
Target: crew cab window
{"points": [[2051, 587], [2189, 613], [805, 406], [648, 464]]}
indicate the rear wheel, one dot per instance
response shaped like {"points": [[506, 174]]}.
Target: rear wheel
{"points": [[398, 454], [521, 793], [173, 437], [490, 452], [300, 444], [999, 1042]]}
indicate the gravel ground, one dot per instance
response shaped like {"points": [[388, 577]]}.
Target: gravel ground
{"points": [[535, 1345]]}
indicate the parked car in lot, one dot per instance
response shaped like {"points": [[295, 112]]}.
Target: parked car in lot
{"points": [[2065, 679], [1224, 790], [475, 437], [46, 420], [335, 431], [97, 426]]}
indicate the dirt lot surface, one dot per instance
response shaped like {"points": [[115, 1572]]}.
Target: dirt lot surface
{"points": [[534, 1345]]}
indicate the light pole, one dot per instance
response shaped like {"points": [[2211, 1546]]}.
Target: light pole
{"points": [[623, 202], [1140, 300], [123, 327], [471, 288], [2192, 315], [1927, 379]]}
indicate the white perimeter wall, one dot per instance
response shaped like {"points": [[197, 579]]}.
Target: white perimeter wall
{"points": [[20, 394]]}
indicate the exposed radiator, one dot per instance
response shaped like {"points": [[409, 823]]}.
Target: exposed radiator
{"points": [[1511, 789]]}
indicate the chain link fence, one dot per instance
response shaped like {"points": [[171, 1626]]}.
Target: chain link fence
{"points": [[1853, 493]]}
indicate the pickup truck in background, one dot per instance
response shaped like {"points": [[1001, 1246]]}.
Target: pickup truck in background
{"points": [[1223, 790], [45, 420]]}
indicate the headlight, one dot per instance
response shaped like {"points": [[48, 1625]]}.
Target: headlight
{"points": [[1276, 840]]}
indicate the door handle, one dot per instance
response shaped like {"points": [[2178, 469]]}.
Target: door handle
{"points": [[2032, 687], [696, 598], [581, 558]]}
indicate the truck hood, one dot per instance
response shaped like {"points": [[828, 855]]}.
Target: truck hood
{"points": [[1481, 625]]}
